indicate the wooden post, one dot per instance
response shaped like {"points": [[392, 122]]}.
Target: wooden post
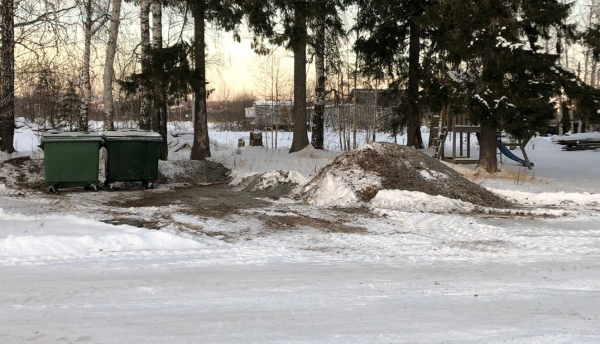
{"points": [[469, 145]]}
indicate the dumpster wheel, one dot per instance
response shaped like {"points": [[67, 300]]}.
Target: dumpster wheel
{"points": [[91, 186], [53, 189]]}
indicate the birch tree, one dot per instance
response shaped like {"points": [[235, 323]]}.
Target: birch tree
{"points": [[91, 26], [159, 123], [145, 108], [109, 69]]}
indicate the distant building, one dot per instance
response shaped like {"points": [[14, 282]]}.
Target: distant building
{"points": [[366, 96], [266, 114], [270, 114]]}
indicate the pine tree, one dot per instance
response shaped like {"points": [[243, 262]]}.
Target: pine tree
{"points": [[326, 25], [69, 107], [225, 14], [494, 68], [391, 46]]}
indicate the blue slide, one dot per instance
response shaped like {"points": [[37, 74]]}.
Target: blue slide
{"points": [[509, 154]]}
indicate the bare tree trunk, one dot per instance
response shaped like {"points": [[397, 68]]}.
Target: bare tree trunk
{"points": [[522, 144], [86, 84], [109, 69], [7, 78], [487, 149], [318, 130], [201, 144], [145, 108], [413, 121], [342, 129], [593, 74], [300, 137], [374, 124], [354, 100], [160, 108]]}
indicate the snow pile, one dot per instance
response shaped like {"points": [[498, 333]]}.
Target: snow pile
{"points": [[52, 235], [252, 160], [559, 199], [341, 188], [580, 136], [412, 201], [358, 176]]}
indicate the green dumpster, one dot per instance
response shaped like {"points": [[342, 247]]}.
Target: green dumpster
{"points": [[131, 156], [71, 159]]}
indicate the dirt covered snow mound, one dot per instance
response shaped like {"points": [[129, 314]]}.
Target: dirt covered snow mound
{"points": [[357, 176], [194, 172], [273, 184], [22, 173]]}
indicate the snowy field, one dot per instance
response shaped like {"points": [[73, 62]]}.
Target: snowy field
{"points": [[404, 268]]}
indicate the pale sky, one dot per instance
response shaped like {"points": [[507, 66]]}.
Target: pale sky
{"points": [[239, 68]]}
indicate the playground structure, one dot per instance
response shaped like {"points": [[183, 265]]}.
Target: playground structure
{"points": [[461, 130]]}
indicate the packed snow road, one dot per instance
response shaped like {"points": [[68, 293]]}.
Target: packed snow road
{"points": [[78, 268], [181, 301]]}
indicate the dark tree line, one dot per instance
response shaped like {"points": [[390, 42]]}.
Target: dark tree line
{"points": [[498, 61]]}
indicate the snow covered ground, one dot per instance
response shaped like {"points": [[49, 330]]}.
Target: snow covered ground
{"points": [[405, 268]]}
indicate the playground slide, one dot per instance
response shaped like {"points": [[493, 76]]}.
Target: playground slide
{"points": [[510, 155]]}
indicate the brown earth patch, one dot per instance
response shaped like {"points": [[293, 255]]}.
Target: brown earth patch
{"points": [[289, 222]]}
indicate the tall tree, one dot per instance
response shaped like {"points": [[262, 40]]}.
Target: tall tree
{"points": [[159, 123], [91, 26], [318, 129], [226, 15], [7, 76], [263, 21], [47, 15], [145, 107], [326, 26], [284, 23], [298, 43], [393, 31], [109, 70]]}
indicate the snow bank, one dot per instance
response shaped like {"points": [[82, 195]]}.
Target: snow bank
{"points": [[50, 235], [550, 198], [339, 188], [412, 201]]}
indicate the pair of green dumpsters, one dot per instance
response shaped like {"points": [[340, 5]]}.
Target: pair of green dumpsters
{"points": [[72, 158]]}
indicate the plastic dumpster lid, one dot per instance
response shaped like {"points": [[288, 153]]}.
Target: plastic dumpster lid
{"points": [[61, 136], [132, 134]]}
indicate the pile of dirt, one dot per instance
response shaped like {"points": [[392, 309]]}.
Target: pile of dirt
{"points": [[273, 184], [193, 172], [387, 166], [23, 173]]}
